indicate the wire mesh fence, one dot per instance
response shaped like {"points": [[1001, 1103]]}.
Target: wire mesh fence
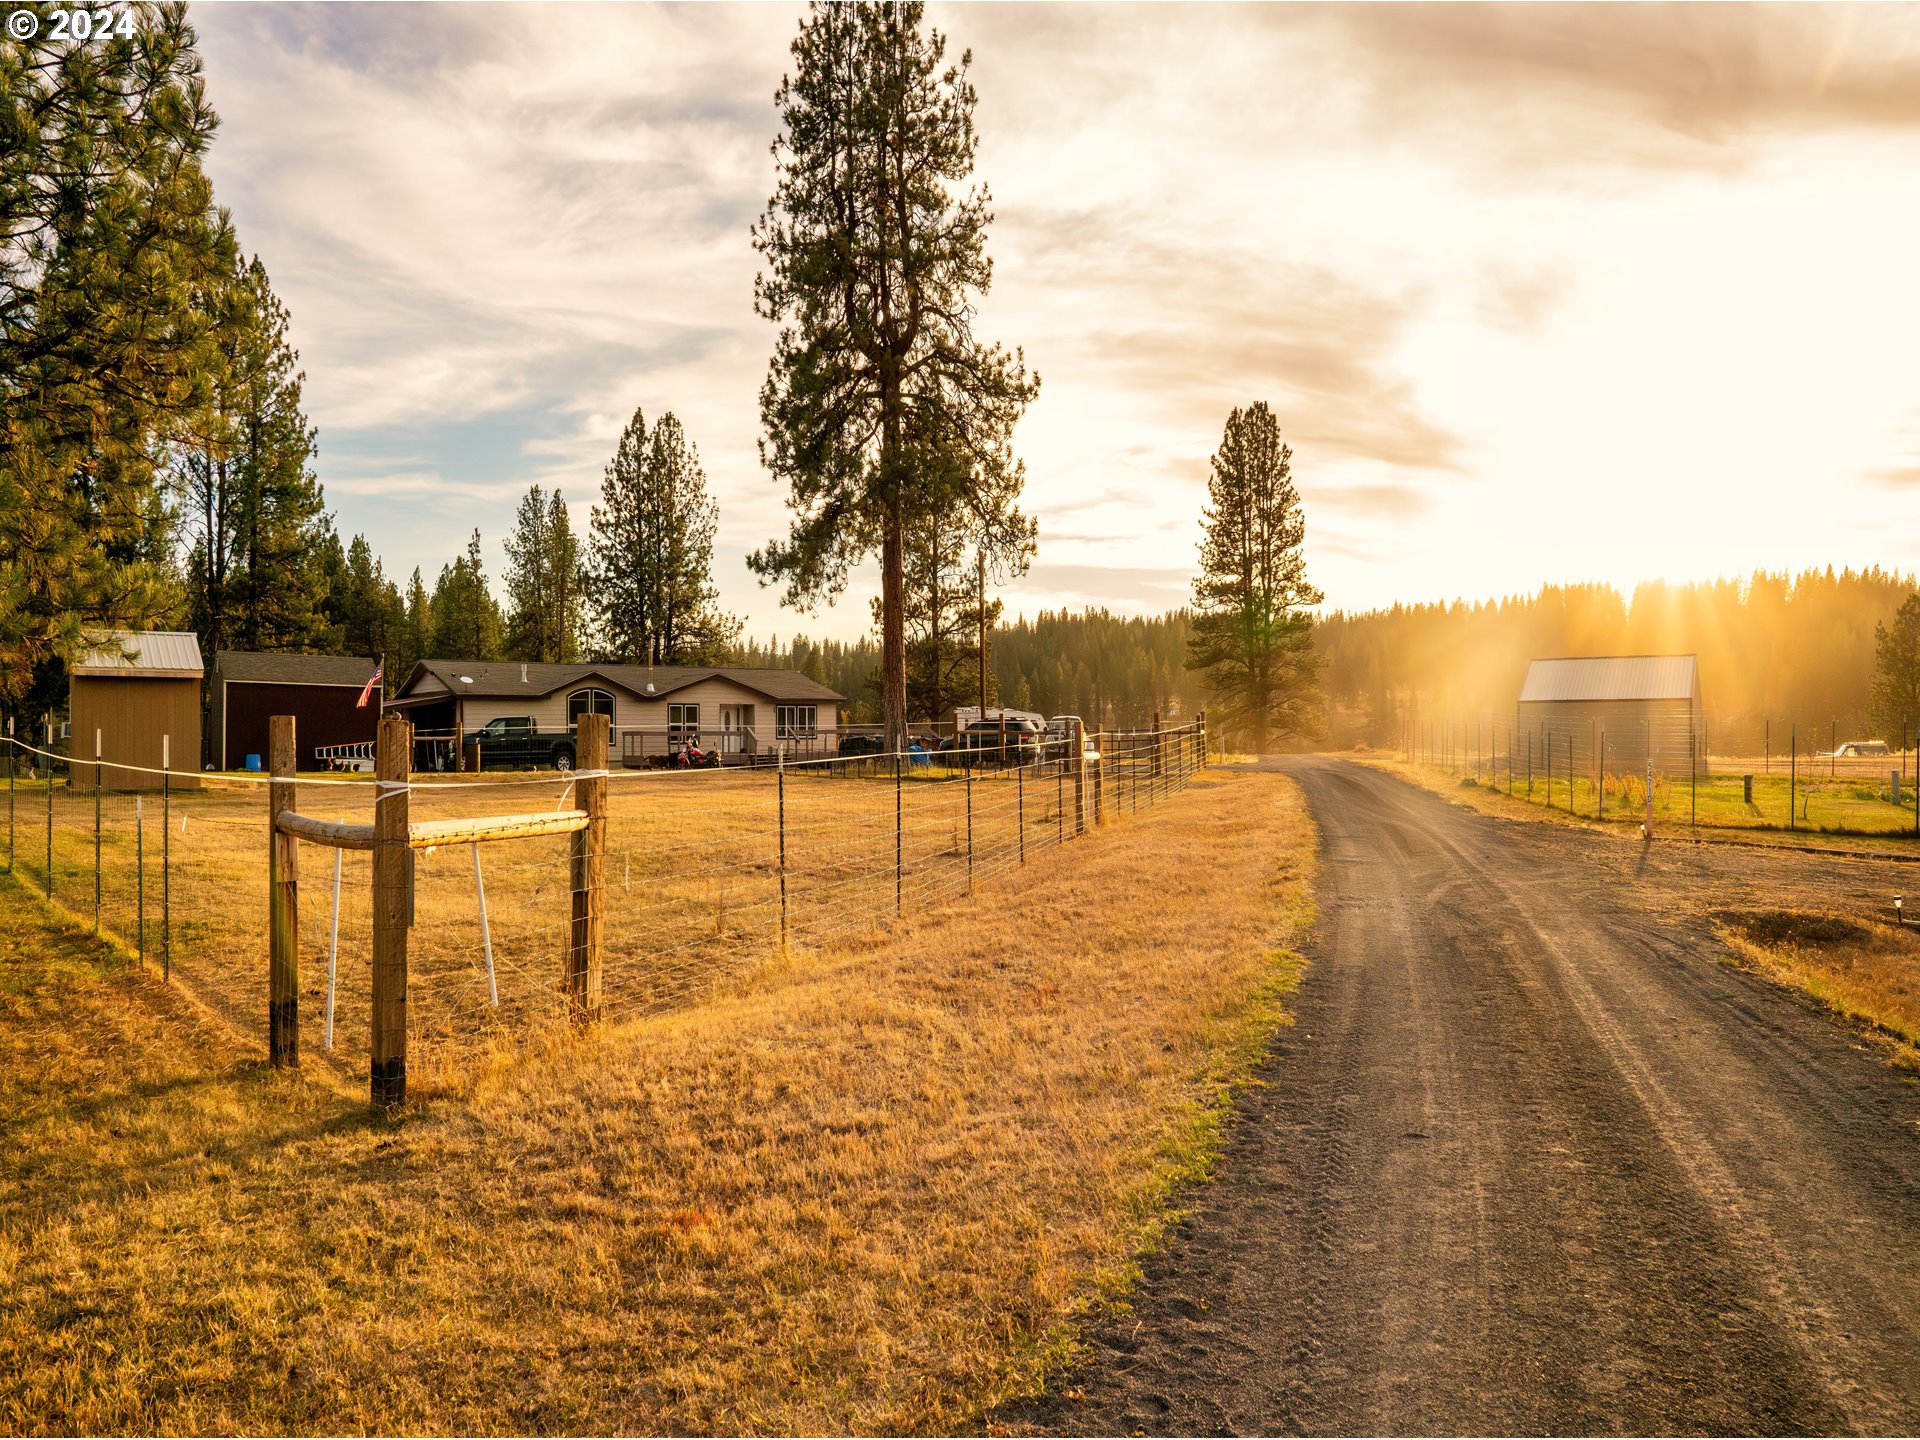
{"points": [[705, 875], [1669, 769]]}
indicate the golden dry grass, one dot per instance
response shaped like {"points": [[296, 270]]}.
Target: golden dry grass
{"points": [[693, 862], [1866, 972], [864, 1191]]}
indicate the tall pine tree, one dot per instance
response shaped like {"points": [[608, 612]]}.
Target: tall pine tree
{"points": [[254, 514], [466, 621], [1252, 636], [651, 552], [108, 234], [875, 259], [543, 581]]}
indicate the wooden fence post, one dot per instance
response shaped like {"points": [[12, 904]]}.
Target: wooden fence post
{"points": [[1158, 752], [283, 900], [392, 909], [589, 850], [1201, 717]]}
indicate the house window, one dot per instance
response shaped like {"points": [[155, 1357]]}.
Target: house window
{"points": [[683, 723], [589, 702], [795, 722]]}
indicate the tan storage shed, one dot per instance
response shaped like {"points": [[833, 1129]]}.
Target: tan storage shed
{"points": [[139, 691]]}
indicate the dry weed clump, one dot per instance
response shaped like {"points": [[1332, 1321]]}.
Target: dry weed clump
{"points": [[1864, 970], [861, 1190]]}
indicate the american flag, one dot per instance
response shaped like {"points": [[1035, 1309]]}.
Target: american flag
{"points": [[367, 694]]}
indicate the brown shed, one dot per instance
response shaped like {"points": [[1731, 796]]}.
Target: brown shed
{"points": [[139, 694], [321, 692]]}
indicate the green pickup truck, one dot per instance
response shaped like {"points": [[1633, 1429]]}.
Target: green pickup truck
{"points": [[510, 742]]}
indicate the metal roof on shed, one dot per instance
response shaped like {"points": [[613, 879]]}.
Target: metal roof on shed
{"points": [[1611, 677], [142, 654], [286, 669]]}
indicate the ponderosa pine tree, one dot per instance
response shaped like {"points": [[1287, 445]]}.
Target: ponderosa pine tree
{"points": [[1252, 635], [255, 518], [875, 259], [107, 234], [466, 618], [1895, 707], [365, 609], [543, 581], [651, 552]]}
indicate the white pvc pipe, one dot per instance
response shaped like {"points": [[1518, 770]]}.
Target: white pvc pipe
{"points": [[333, 943], [486, 935]]}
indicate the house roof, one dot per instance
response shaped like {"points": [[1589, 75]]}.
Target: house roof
{"points": [[1612, 677], [510, 679], [142, 654], [253, 665]]}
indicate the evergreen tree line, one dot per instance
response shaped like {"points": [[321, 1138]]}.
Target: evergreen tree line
{"points": [[1113, 671], [1805, 648]]}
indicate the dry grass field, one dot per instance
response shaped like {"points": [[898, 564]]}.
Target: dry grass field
{"points": [[693, 865], [865, 1189]]}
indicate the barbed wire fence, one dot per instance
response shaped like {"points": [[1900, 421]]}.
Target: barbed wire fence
{"points": [[1668, 769], [670, 882]]}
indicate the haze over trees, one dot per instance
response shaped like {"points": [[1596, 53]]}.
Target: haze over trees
{"points": [[1252, 636], [1773, 647], [650, 562], [880, 403]]}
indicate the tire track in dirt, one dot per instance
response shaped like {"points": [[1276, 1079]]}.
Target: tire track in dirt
{"points": [[1533, 1161]]}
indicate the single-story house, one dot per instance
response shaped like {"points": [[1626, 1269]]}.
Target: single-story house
{"points": [[653, 709], [321, 692], [1643, 707], [138, 694]]}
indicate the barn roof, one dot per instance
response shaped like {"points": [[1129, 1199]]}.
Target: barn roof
{"points": [[507, 679], [1612, 677], [256, 666], [142, 654]]}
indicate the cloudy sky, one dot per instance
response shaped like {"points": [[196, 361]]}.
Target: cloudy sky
{"points": [[1538, 293]]}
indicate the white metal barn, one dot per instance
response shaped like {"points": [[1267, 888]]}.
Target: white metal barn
{"points": [[1639, 707]]}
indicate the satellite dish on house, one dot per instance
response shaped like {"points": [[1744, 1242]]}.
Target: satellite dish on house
{"points": [[466, 679], [649, 687]]}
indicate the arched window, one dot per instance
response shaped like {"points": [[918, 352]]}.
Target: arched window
{"points": [[589, 702]]}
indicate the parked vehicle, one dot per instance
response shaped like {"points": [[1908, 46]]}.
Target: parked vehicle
{"points": [[1857, 750], [511, 742], [1017, 740], [852, 745], [1057, 740]]}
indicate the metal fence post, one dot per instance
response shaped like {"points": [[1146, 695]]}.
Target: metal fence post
{"points": [[166, 852], [899, 852], [1793, 777], [780, 785], [10, 801], [967, 782], [140, 876], [1079, 777], [97, 777], [283, 900], [1020, 812]]}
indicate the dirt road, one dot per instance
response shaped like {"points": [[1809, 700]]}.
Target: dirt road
{"points": [[1534, 1160]]}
